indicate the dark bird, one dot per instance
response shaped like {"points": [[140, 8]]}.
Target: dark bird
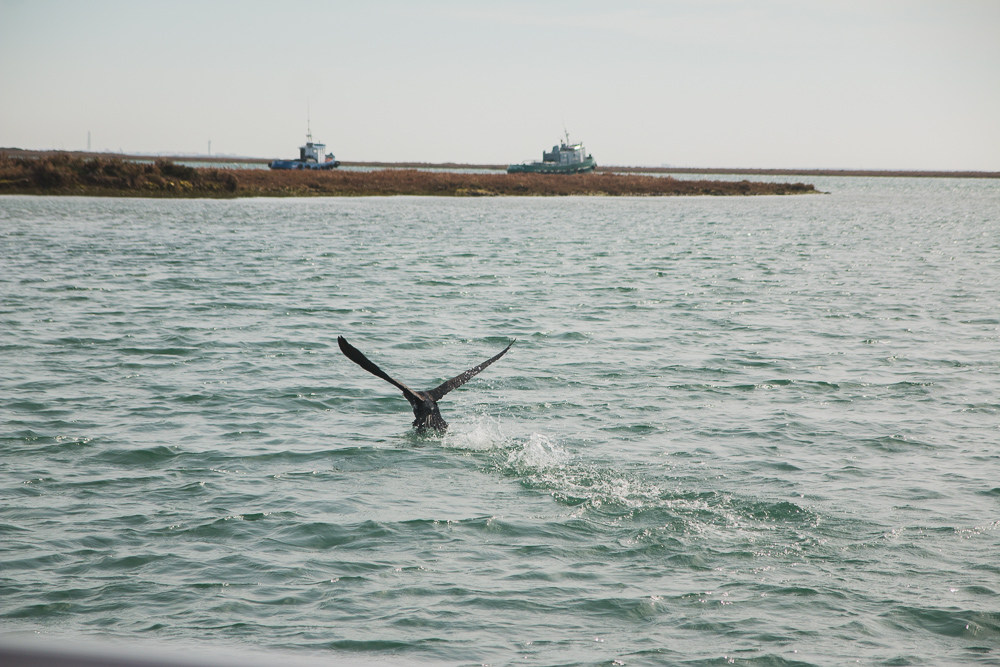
{"points": [[424, 403]]}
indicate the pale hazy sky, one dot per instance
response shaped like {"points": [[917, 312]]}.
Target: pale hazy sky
{"points": [[905, 84]]}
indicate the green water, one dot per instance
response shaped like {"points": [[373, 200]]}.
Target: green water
{"points": [[753, 430]]}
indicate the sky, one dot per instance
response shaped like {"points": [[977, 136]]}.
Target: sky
{"points": [[837, 84]]}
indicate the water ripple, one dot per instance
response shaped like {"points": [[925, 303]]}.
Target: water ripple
{"points": [[731, 431]]}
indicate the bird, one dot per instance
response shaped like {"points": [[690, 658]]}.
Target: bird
{"points": [[424, 403]]}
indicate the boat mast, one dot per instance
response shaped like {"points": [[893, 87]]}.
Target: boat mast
{"points": [[309, 134]]}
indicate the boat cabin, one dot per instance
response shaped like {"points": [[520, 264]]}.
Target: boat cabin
{"points": [[566, 153], [312, 152]]}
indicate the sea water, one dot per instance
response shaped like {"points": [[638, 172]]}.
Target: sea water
{"points": [[759, 431]]}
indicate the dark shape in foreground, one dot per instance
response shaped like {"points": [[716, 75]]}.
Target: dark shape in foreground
{"points": [[424, 403]]}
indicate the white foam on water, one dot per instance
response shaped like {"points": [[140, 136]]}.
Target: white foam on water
{"points": [[538, 453], [482, 433]]}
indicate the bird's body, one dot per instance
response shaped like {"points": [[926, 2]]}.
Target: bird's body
{"points": [[424, 403]]}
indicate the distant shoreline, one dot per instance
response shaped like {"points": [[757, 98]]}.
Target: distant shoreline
{"points": [[70, 174], [736, 171]]}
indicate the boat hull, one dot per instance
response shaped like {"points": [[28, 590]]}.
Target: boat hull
{"points": [[550, 168], [299, 164]]}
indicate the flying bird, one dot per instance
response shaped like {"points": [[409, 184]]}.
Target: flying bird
{"points": [[424, 403]]}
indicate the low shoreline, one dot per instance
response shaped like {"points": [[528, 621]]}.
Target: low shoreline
{"points": [[737, 171], [72, 175]]}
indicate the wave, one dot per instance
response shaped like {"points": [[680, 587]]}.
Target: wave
{"points": [[633, 506]]}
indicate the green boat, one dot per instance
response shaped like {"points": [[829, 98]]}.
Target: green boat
{"points": [[566, 158]]}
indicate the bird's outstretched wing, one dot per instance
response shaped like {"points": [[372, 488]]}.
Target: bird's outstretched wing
{"points": [[438, 393], [354, 354]]}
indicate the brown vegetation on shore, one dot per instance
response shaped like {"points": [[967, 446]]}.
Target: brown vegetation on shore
{"points": [[62, 174], [414, 182]]}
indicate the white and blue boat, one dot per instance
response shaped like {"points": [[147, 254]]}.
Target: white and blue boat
{"points": [[311, 156]]}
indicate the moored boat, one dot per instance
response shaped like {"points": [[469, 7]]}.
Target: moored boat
{"points": [[566, 158], [311, 156]]}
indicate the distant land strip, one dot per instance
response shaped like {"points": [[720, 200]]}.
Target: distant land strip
{"points": [[803, 172], [112, 176], [698, 170], [228, 159]]}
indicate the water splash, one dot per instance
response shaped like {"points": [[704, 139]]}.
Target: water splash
{"points": [[482, 433], [538, 453]]}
